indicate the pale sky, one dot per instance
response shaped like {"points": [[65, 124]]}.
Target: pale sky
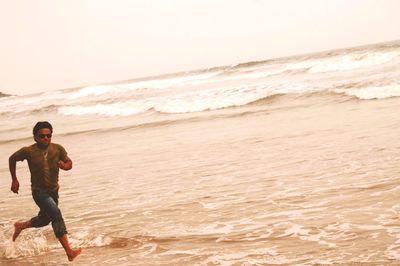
{"points": [[55, 44]]}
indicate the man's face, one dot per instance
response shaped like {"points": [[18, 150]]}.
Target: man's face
{"points": [[43, 137]]}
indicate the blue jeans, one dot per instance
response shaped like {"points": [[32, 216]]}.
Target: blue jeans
{"points": [[49, 212]]}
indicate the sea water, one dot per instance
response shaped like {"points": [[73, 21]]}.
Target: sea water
{"points": [[289, 161]]}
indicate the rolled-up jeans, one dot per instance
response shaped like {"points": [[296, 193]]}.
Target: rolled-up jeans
{"points": [[49, 212]]}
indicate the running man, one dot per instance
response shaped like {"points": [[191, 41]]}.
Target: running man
{"points": [[44, 160]]}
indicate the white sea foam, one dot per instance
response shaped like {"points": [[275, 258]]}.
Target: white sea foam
{"points": [[345, 62], [82, 237], [187, 102], [94, 91], [256, 73], [373, 92], [115, 109], [157, 83], [350, 62], [299, 231], [262, 256], [25, 245]]}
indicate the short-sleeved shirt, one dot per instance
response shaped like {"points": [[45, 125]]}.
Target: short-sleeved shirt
{"points": [[42, 165]]}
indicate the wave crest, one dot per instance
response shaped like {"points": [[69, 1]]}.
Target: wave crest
{"points": [[371, 93]]}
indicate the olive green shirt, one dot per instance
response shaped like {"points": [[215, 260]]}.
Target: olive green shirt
{"points": [[42, 165]]}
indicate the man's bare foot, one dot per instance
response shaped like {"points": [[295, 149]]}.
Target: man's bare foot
{"points": [[73, 253], [18, 227]]}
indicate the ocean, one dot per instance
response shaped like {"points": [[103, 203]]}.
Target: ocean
{"points": [[288, 161]]}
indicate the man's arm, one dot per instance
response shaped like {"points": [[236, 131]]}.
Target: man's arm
{"points": [[12, 164], [65, 163]]}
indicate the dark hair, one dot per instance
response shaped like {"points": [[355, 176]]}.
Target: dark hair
{"points": [[40, 125]]}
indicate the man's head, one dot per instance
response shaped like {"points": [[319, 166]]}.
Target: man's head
{"points": [[42, 132]]}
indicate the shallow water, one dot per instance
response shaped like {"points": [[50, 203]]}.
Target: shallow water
{"points": [[302, 181], [291, 161]]}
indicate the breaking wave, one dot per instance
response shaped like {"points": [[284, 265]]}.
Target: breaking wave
{"points": [[366, 73]]}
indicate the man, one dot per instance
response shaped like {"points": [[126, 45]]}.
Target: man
{"points": [[44, 160]]}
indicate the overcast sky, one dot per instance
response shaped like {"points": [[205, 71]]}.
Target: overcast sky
{"points": [[55, 44]]}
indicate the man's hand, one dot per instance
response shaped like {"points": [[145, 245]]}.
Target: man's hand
{"points": [[15, 186], [65, 165], [61, 165]]}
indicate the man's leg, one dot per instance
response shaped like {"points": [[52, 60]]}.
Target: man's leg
{"points": [[48, 203], [71, 253], [61, 233], [19, 226], [38, 221]]}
